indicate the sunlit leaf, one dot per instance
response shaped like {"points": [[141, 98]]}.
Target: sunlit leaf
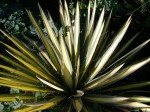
{"points": [[11, 97]]}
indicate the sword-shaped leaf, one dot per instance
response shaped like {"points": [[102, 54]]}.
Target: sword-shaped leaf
{"points": [[50, 85], [95, 83], [102, 61], [128, 86], [91, 50], [17, 64], [70, 38], [87, 22], [140, 99], [61, 14], [20, 54], [77, 34], [90, 28], [94, 40], [116, 100], [125, 72], [42, 105], [36, 70], [66, 66], [145, 109], [24, 49], [45, 41], [78, 105], [11, 97], [102, 39], [91, 23], [51, 33], [18, 77], [130, 54], [19, 73], [23, 87], [15, 81], [52, 24], [43, 53], [120, 51]]}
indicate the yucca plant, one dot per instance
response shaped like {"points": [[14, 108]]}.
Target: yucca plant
{"points": [[73, 68]]}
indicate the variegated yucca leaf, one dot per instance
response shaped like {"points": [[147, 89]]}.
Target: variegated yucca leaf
{"points": [[72, 66]]}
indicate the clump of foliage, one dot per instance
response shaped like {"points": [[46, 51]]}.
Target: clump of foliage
{"points": [[74, 67], [140, 9], [13, 18], [10, 18], [13, 105]]}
